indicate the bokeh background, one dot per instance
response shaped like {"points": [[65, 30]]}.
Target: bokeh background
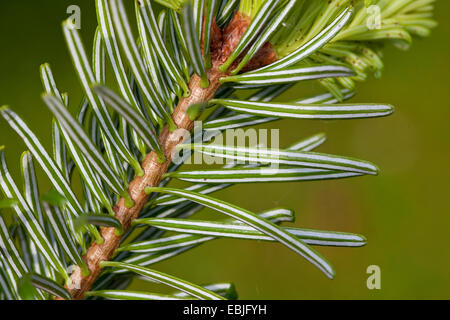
{"points": [[404, 212]]}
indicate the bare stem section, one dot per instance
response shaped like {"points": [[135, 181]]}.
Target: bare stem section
{"points": [[222, 45]]}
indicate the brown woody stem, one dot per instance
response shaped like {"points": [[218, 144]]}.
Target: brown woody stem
{"points": [[222, 44]]}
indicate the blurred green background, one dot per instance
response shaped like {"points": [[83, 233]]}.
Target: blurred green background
{"points": [[404, 212]]}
